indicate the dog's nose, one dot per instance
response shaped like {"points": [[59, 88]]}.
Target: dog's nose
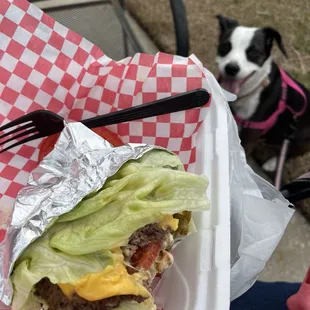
{"points": [[232, 69]]}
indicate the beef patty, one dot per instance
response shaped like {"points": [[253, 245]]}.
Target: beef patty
{"points": [[142, 237], [57, 300]]}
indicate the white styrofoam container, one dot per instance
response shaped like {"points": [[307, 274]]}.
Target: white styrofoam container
{"points": [[200, 277]]}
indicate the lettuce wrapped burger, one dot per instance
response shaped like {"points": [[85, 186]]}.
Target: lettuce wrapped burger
{"points": [[105, 253]]}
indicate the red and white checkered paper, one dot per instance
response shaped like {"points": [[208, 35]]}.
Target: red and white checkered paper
{"points": [[44, 65]]}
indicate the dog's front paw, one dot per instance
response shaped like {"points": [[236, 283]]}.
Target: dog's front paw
{"points": [[270, 165]]}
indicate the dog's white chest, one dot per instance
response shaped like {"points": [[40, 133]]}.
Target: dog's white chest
{"points": [[246, 107]]}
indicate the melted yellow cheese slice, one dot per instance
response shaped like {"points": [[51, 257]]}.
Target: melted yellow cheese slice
{"points": [[114, 280], [169, 222], [67, 288]]}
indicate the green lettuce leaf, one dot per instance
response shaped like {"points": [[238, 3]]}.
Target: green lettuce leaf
{"points": [[40, 261], [142, 198], [95, 201]]}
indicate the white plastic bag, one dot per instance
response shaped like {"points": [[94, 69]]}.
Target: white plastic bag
{"points": [[259, 214]]}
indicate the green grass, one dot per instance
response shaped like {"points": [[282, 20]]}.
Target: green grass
{"points": [[302, 78]]}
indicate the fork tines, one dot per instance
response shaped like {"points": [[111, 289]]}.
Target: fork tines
{"points": [[27, 127]]}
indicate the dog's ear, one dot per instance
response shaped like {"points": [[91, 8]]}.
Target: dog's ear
{"points": [[271, 35], [226, 23]]}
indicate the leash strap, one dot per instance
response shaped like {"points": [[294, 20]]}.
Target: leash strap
{"points": [[281, 162]]}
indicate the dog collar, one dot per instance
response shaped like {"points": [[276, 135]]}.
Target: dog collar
{"points": [[262, 84], [267, 124]]}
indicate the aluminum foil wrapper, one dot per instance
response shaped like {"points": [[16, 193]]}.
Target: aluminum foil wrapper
{"points": [[79, 164]]}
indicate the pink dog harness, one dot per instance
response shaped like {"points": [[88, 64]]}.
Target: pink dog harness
{"points": [[267, 124]]}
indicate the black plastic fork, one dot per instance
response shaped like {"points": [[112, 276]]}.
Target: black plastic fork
{"points": [[44, 123]]}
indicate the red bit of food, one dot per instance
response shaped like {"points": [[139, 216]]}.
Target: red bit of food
{"points": [[48, 143], [144, 257]]}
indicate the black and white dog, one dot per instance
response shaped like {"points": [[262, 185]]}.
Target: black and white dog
{"points": [[269, 102]]}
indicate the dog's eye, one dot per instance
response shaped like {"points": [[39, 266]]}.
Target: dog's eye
{"points": [[253, 53], [224, 48]]}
